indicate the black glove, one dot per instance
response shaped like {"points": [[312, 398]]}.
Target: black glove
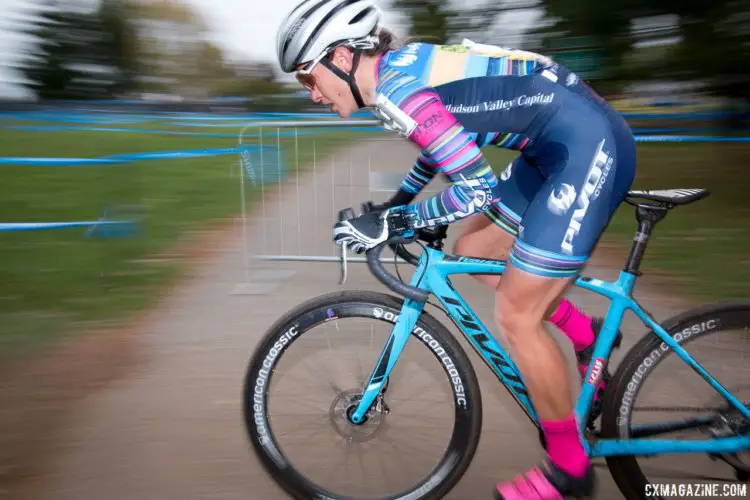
{"points": [[369, 206], [371, 229], [400, 198]]}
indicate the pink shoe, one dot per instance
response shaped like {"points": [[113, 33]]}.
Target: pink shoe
{"points": [[546, 482]]}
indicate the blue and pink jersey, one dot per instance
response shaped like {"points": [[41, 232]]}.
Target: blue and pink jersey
{"points": [[449, 101], [452, 100]]}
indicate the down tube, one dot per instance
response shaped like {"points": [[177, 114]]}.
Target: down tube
{"points": [[484, 343]]}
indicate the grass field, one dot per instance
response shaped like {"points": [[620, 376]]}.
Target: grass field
{"points": [[53, 282]]}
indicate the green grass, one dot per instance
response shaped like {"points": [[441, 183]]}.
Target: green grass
{"points": [[705, 246], [58, 282]]}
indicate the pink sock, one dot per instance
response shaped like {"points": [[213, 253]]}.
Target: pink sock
{"points": [[574, 324], [564, 446]]}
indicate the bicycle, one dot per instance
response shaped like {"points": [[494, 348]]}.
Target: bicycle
{"points": [[616, 440]]}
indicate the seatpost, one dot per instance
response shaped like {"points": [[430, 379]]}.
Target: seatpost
{"points": [[647, 217]]}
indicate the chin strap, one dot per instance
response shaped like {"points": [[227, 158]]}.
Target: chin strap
{"points": [[349, 78]]}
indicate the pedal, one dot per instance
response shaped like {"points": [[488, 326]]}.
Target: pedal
{"points": [[618, 340], [596, 406], [586, 355]]}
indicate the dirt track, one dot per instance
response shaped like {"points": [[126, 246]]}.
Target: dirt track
{"points": [[166, 423]]}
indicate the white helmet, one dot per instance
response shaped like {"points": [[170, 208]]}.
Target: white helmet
{"points": [[315, 27]]}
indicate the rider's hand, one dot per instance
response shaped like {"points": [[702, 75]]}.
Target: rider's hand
{"points": [[371, 229], [400, 198], [371, 207]]}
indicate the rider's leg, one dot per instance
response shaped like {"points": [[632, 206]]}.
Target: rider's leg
{"points": [[521, 302], [561, 228], [485, 240], [482, 238]]}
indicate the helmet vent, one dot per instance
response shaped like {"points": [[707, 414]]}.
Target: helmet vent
{"points": [[361, 15]]}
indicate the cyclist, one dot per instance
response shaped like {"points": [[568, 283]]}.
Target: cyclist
{"points": [[544, 214]]}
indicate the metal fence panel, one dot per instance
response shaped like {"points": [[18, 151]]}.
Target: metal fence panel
{"points": [[295, 177]]}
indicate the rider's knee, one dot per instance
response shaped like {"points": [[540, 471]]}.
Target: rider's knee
{"points": [[515, 320], [489, 241], [465, 245]]}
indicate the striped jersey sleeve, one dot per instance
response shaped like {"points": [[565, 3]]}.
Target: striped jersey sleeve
{"points": [[424, 171], [415, 111], [419, 176]]}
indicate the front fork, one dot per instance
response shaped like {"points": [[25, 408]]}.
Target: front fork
{"points": [[407, 320]]}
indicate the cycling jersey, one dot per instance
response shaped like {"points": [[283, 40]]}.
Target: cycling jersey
{"points": [[577, 155]]}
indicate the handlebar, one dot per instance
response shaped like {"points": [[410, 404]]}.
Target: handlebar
{"points": [[398, 286], [432, 236]]}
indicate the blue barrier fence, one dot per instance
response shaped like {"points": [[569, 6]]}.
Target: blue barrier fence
{"points": [[125, 158], [116, 227], [55, 162], [92, 226], [689, 138], [73, 128], [640, 134], [104, 228]]}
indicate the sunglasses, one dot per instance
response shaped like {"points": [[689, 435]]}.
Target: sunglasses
{"points": [[304, 74]]}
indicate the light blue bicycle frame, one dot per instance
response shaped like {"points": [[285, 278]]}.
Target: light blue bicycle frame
{"points": [[432, 274]]}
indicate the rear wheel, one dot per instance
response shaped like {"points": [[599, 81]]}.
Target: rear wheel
{"points": [[655, 394], [303, 462]]}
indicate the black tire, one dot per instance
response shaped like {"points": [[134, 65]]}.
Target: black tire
{"points": [[466, 393], [623, 390]]}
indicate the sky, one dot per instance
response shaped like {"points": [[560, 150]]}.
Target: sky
{"points": [[249, 26], [244, 29]]}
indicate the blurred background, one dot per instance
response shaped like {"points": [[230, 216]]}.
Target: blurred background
{"points": [[132, 137], [193, 51]]}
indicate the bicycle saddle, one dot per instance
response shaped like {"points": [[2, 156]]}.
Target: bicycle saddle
{"points": [[670, 196]]}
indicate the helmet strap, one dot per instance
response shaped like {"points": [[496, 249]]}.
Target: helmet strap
{"points": [[349, 78]]}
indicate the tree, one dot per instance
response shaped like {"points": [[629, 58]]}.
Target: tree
{"points": [[436, 22], [249, 80], [714, 44], [171, 47], [429, 19], [124, 46], [176, 56], [46, 66], [78, 54], [119, 44], [589, 37], [55, 65], [710, 41]]}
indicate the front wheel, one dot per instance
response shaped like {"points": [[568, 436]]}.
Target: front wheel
{"points": [[656, 395], [305, 439]]}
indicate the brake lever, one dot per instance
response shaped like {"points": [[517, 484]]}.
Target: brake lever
{"points": [[342, 278], [345, 214]]}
